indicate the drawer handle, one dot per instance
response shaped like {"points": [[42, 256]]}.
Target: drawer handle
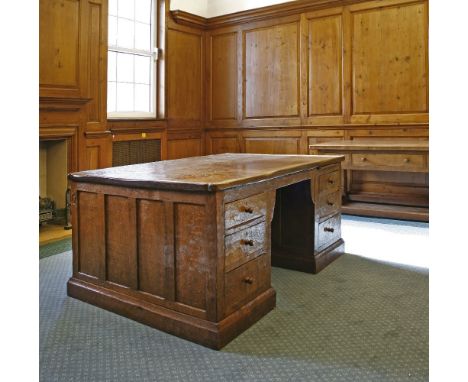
{"points": [[248, 210], [331, 181], [330, 203], [248, 280], [406, 160], [363, 159], [329, 229], [247, 242]]}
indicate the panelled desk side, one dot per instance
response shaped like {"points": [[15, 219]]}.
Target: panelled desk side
{"points": [[193, 257]]}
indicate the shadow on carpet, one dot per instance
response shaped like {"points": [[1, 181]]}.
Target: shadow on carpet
{"points": [[357, 320]]}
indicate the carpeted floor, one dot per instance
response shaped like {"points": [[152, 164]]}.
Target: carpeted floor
{"points": [[55, 248], [358, 320]]}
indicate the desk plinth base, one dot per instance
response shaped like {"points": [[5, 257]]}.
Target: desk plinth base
{"points": [[285, 258], [214, 335]]}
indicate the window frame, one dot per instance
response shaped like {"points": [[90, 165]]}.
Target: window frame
{"points": [[154, 56]]}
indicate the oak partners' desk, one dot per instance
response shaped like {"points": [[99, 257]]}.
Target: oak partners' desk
{"points": [[185, 245], [395, 200]]}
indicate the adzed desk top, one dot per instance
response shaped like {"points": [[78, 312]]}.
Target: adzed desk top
{"points": [[205, 173]]}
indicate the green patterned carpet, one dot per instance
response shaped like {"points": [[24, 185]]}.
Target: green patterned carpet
{"points": [[55, 248], [358, 320]]}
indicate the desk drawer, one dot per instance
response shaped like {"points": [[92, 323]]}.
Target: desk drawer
{"points": [[244, 245], [244, 210], [390, 161], [329, 182], [245, 282], [329, 204], [329, 231]]}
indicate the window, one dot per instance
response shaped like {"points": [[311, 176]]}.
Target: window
{"points": [[131, 66]]}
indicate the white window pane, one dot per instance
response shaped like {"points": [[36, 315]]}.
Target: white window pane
{"points": [[125, 67], [111, 96], [127, 8], [124, 97], [142, 36], [112, 31], [111, 66], [143, 11], [142, 69], [125, 37], [142, 98], [113, 7]]}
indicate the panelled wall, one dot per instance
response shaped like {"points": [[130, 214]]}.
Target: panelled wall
{"points": [[72, 79], [268, 80], [185, 88], [331, 72], [289, 76]]}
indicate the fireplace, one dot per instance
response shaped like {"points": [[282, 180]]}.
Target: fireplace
{"points": [[53, 170]]}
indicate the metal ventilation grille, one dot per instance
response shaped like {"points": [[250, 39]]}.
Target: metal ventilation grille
{"points": [[132, 152]]}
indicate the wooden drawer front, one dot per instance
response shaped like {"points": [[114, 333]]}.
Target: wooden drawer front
{"points": [[390, 161], [329, 182], [244, 210], [246, 282], [243, 246], [329, 231], [329, 204]]}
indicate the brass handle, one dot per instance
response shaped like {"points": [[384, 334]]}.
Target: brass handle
{"points": [[247, 242], [249, 210], [363, 159], [248, 280], [328, 229], [406, 160], [331, 181], [330, 203]]}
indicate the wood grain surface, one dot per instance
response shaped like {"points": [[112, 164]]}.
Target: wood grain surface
{"points": [[207, 173]]}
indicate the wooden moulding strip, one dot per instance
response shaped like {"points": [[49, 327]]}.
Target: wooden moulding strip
{"points": [[256, 14]]}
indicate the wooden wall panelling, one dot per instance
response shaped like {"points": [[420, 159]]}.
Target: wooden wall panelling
{"points": [[161, 99], [419, 131], [184, 144], [325, 93], [73, 75], [271, 72], [62, 51], [185, 79], [98, 151], [274, 142], [97, 65], [222, 78], [390, 61], [222, 142]]}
